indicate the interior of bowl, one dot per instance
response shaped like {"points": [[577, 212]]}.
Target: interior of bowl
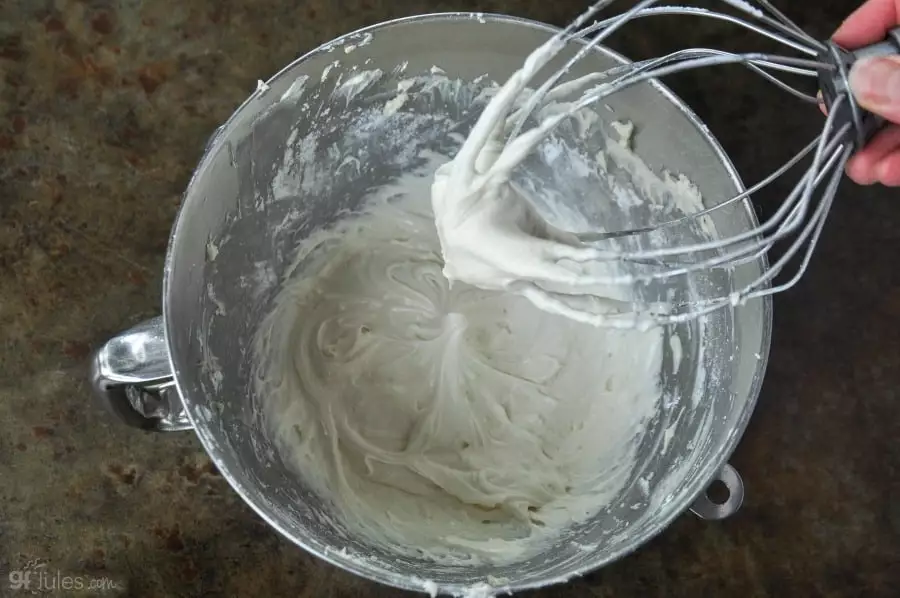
{"points": [[279, 170]]}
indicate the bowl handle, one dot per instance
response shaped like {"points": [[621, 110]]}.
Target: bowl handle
{"points": [[132, 378], [705, 508]]}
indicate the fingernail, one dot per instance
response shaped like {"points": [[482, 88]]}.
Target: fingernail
{"points": [[876, 81]]}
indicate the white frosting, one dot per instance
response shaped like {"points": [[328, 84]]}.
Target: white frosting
{"points": [[459, 423]]}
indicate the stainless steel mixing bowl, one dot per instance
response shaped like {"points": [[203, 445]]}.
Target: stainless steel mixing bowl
{"points": [[233, 241]]}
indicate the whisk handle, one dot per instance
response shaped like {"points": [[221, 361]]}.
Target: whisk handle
{"points": [[834, 83], [889, 47]]}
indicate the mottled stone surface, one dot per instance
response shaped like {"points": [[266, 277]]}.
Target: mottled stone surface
{"points": [[105, 106]]}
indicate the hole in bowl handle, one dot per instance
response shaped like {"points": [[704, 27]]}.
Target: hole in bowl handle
{"points": [[132, 379], [705, 508]]}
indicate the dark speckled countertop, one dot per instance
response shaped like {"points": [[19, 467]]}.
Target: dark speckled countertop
{"points": [[105, 106]]}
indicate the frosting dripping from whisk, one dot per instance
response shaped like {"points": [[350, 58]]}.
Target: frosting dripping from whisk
{"points": [[492, 237]]}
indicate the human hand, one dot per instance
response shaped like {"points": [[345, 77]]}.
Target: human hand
{"points": [[876, 85]]}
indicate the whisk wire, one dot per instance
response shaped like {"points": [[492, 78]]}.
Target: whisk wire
{"points": [[812, 232], [799, 45], [787, 219], [546, 87], [809, 99], [787, 22], [751, 291], [594, 237], [694, 11], [820, 218], [801, 216], [645, 72], [800, 193]]}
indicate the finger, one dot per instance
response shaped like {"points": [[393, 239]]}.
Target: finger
{"points": [[888, 170], [862, 167], [868, 24], [875, 83]]}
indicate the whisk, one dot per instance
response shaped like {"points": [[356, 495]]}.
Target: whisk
{"points": [[802, 215]]}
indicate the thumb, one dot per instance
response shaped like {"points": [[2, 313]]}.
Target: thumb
{"points": [[875, 83]]}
